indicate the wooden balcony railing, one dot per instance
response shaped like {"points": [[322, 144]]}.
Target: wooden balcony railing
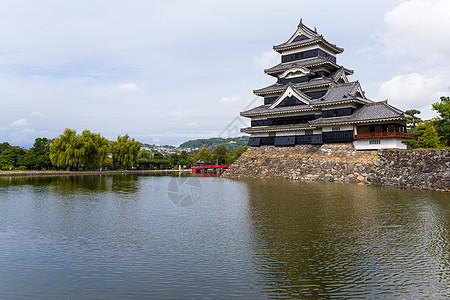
{"points": [[380, 135]]}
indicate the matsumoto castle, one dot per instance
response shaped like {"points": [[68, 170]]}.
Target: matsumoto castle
{"points": [[313, 102]]}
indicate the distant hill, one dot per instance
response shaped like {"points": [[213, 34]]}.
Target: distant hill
{"points": [[211, 143]]}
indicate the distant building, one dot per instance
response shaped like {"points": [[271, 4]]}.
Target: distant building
{"points": [[313, 102]]}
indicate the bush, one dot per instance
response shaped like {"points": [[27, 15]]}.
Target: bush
{"points": [[22, 168]]}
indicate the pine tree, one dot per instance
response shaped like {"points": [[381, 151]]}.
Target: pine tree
{"points": [[428, 137], [442, 123]]}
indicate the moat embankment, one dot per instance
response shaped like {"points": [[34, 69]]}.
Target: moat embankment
{"points": [[340, 162]]}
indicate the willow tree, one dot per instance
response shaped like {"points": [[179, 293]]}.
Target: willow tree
{"points": [[88, 150], [96, 149], [125, 152], [66, 150]]}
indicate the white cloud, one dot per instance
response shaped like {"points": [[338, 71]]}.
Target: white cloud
{"points": [[128, 87], [36, 114], [266, 60], [180, 113], [413, 90], [419, 28], [230, 99], [28, 130], [88, 63], [19, 122]]}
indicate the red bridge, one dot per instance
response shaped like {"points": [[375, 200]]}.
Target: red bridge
{"points": [[207, 169]]}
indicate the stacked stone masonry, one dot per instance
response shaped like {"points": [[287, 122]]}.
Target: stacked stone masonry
{"points": [[422, 169]]}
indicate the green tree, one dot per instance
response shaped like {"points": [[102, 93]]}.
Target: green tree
{"points": [[7, 158], [146, 154], [220, 155], [38, 157], [412, 119], [4, 146], [427, 136], [88, 150], [41, 152], [442, 123], [204, 155], [96, 149], [183, 158], [237, 154], [67, 150], [144, 159], [11, 156], [158, 161], [173, 158], [125, 152]]}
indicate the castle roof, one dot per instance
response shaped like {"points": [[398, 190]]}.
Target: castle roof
{"points": [[342, 93], [304, 63], [369, 113], [373, 112], [279, 128], [305, 36], [277, 88], [265, 110], [316, 100]]}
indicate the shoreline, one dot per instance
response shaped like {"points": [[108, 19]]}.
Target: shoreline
{"points": [[76, 173], [340, 162]]}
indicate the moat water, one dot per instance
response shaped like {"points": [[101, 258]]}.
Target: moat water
{"points": [[162, 237]]}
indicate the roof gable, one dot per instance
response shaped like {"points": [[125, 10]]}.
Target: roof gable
{"points": [[340, 74], [377, 110], [294, 72], [306, 36], [291, 92], [342, 92], [302, 33]]}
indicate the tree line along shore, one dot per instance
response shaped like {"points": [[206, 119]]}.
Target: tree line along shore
{"points": [[92, 152]]}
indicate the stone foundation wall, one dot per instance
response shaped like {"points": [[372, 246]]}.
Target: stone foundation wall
{"points": [[340, 162], [422, 169]]}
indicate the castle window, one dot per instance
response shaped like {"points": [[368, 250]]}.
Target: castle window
{"points": [[336, 129], [309, 131], [374, 142]]}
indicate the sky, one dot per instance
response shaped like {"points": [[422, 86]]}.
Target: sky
{"points": [[165, 72]]}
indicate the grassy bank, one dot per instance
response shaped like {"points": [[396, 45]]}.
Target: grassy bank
{"points": [[55, 173]]}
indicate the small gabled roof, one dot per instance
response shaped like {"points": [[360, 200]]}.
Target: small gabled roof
{"points": [[305, 36], [291, 91], [342, 92]]}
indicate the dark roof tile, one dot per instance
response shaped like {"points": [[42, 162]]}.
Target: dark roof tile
{"points": [[304, 85]]}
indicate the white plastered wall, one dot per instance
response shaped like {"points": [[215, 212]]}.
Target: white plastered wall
{"points": [[341, 128], [387, 143]]}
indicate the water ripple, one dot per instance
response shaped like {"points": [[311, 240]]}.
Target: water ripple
{"points": [[122, 237]]}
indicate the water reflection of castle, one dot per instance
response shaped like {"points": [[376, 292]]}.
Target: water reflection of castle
{"points": [[313, 102]]}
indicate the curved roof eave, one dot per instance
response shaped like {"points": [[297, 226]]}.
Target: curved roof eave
{"points": [[283, 47]]}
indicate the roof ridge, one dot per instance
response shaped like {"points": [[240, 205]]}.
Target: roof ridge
{"points": [[354, 88], [393, 108], [330, 88], [303, 26]]}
